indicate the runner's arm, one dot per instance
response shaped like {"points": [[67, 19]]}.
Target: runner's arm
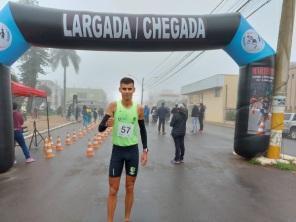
{"points": [[103, 124], [143, 131], [109, 113]]}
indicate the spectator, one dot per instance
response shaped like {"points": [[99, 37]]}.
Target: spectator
{"points": [[18, 122], [95, 114], [77, 113], [202, 109], [35, 113], [101, 113], [154, 114], [174, 110], [162, 113], [178, 123], [194, 117], [84, 116], [146, 114]]}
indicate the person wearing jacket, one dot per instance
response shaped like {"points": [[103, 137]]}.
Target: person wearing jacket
{"points": [[162, 114], [178, 124], [195, 118]]}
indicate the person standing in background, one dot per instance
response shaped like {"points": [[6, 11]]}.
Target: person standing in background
{"points": [[162, 113], [146, 114], [178, 125], [95, 114], [202, 109], [18, 122], [194, 118]]}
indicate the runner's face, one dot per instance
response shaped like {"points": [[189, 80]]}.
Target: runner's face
{"points": [[127, 91]]}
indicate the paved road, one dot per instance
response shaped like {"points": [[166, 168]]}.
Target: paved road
{"points": [[212, 185]]}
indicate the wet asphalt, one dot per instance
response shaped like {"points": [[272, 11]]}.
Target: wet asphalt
{"points": [[212, 185]]}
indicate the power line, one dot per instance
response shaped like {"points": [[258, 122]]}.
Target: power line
{"points": [[237, 3], [164, 73], [168, 77], [214, 9], [183, 58], [198, 55], [161, 63], [252, 13]]}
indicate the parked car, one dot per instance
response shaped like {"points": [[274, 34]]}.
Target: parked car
{"points": [[290, 125]]}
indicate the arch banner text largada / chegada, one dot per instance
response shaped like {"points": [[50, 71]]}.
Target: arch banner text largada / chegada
{"points": [[54, 28]]}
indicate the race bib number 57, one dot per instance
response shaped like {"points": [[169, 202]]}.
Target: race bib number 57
{"points": [[125, 129]]}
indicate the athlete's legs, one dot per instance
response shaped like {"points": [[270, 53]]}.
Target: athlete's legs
{"points": [[115, 170], [131, 169], [129, 196], [112, 197]]}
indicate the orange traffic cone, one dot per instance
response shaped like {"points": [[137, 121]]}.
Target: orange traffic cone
{"points": [[99, 138], [59, 146], [90, 150], [105, 134], [53, 146], [80, 134], [68, 139], [48, 152], [45, 145], [261, 127], [74, 137], [95, 143]]}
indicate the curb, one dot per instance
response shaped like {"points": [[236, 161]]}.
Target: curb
{"points": [[228, 125], [284, 158], [51, 129]]}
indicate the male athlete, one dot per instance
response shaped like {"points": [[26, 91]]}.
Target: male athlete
{"points": [[124, 116]]}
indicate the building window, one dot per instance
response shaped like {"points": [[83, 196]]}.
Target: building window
{"points": [[217, 92]]}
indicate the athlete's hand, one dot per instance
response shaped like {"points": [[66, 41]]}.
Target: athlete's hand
{"points": [[144, 158], [110, 122]]}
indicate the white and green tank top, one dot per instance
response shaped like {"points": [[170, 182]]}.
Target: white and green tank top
{"points": [[125, 128]]}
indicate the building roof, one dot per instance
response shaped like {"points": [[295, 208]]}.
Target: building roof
{"points": [[208, 83]]}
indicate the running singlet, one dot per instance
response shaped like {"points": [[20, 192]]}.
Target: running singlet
{"points": [[125, 131]]}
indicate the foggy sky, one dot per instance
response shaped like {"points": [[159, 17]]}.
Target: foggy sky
{"points": [[100, 69]]}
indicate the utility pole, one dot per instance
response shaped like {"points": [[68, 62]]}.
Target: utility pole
{"points": [[281, 75], [142, 91]]}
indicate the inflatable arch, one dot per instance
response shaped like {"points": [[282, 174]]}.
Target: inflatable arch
{"points": [[22, 26]]}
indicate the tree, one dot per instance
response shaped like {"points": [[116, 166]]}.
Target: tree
{"points": [[38, 101], [33, 62], [65, 57], [46, 89]]}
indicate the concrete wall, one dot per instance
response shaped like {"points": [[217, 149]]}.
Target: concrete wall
{"points": [[217, 99], [214, 104], [230, 91]]}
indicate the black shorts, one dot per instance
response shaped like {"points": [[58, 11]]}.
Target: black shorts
{"points": [[124, 155]]}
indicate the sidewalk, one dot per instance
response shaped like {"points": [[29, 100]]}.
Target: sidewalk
{"points": [[262, 160], [55, 121], [229, 124]]}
